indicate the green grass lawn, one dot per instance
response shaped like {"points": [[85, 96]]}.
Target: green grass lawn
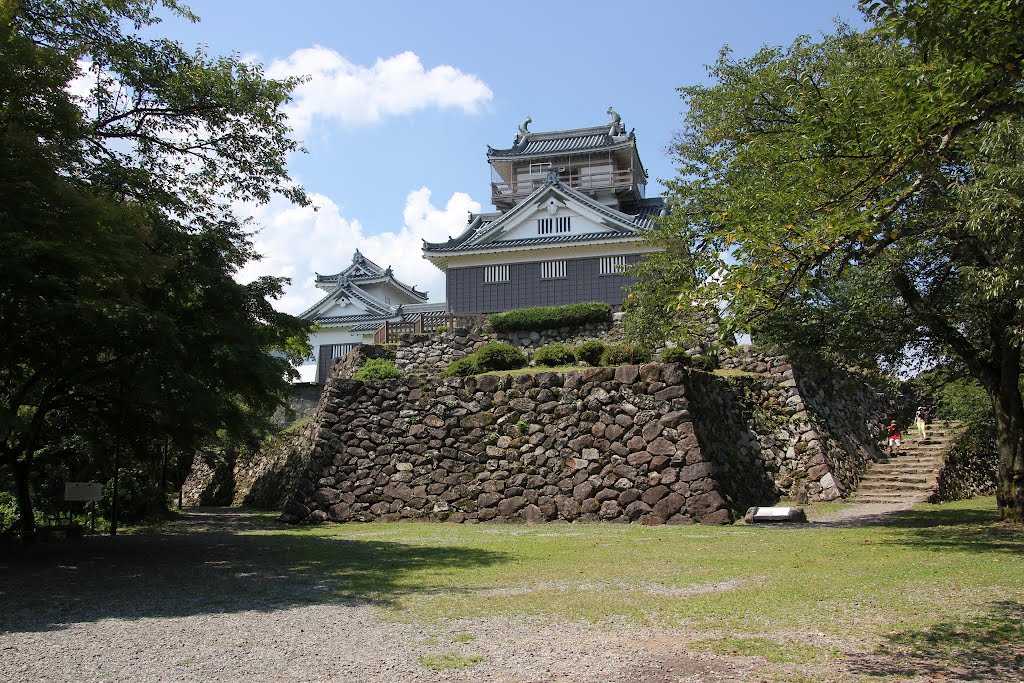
{"points": [[936, 593], [937, 567]]}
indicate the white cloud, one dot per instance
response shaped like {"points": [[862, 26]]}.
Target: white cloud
{"points": [[297, 242], [352, 94]]}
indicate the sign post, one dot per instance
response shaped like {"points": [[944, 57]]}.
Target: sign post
{"points": [[85, 491]]}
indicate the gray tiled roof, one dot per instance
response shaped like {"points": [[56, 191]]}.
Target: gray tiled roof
{"points": [[554, 142], [547, 239], [370, 275], [342, 319], [478, 227], [430, 317]]}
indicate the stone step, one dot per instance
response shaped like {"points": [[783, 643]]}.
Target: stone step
{"points": [[908, 461], [887, 500], [896, 477], [910, 475], [880, 486], [907, 467]]}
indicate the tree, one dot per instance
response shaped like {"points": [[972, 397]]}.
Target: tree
{"points": [[868, 190], [123, 326]]}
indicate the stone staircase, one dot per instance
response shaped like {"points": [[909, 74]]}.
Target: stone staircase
{"points": [[911, 476]]}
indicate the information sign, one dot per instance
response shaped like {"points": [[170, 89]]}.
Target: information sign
{"points": [[82, 490]]}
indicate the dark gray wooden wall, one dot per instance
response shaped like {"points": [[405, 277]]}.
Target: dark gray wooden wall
{"points": [[467, 292]]}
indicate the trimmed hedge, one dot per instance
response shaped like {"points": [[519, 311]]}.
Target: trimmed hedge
{"points": [[550, 317], [625, 354], [376, 368], [554, 354], [591, 351]]}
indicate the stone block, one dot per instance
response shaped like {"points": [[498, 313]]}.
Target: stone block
{"points": [[651, 431], [636, 509], [696, 471], [327, 497], [635, 444], [509, 506], [627, 374], [317, 517], [670, 392], [531, 514], [658, 463], [582, 491], [629, 495], [609, 510], [638, 459], [669, 505], [654, 494], [661, 446], [568, 508]]}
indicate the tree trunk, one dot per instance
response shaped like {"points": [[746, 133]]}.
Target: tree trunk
{"points": [[1009, 409], [22, 491]]}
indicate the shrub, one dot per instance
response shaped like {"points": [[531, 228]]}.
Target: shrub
{"points": [[499, 356], [554, 354], [625, 354], [677, 355], [138, 497], [705, 363], [8, 510], [590, 352], [377, 368], [523, 426], [462, 367], [551, 317]]}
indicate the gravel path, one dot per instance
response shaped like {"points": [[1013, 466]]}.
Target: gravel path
{"points": [[858, 514], [201, 603]]}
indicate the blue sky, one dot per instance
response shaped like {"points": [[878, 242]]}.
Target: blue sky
{"points": [[406, 96]]}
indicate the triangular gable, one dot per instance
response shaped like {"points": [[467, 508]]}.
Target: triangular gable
{"points": [[348, 298], [554, 200]]}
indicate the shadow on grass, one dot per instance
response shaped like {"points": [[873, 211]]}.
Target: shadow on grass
{"points": [[969, 530], [202, 571], [988, 648]]}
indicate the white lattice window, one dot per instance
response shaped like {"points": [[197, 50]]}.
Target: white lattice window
{"points": [[339, 350], [545, 226], [494, 274], [612, 265], [540, 168], [563, 223], [552, 270]]}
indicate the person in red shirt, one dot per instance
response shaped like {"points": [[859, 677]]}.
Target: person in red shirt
{"points": [[894, 439]]}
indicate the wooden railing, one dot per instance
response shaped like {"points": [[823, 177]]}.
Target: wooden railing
{"points": [[389, 332], [574, 179]]}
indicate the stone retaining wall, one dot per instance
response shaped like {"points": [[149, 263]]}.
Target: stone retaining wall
{"points": [[597, 444], [817, 426], [652, 444], [971, 466]]}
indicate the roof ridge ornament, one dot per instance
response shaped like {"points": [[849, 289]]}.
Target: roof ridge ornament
{"points": [[551, 178], [617, 126], [524, 131]]}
